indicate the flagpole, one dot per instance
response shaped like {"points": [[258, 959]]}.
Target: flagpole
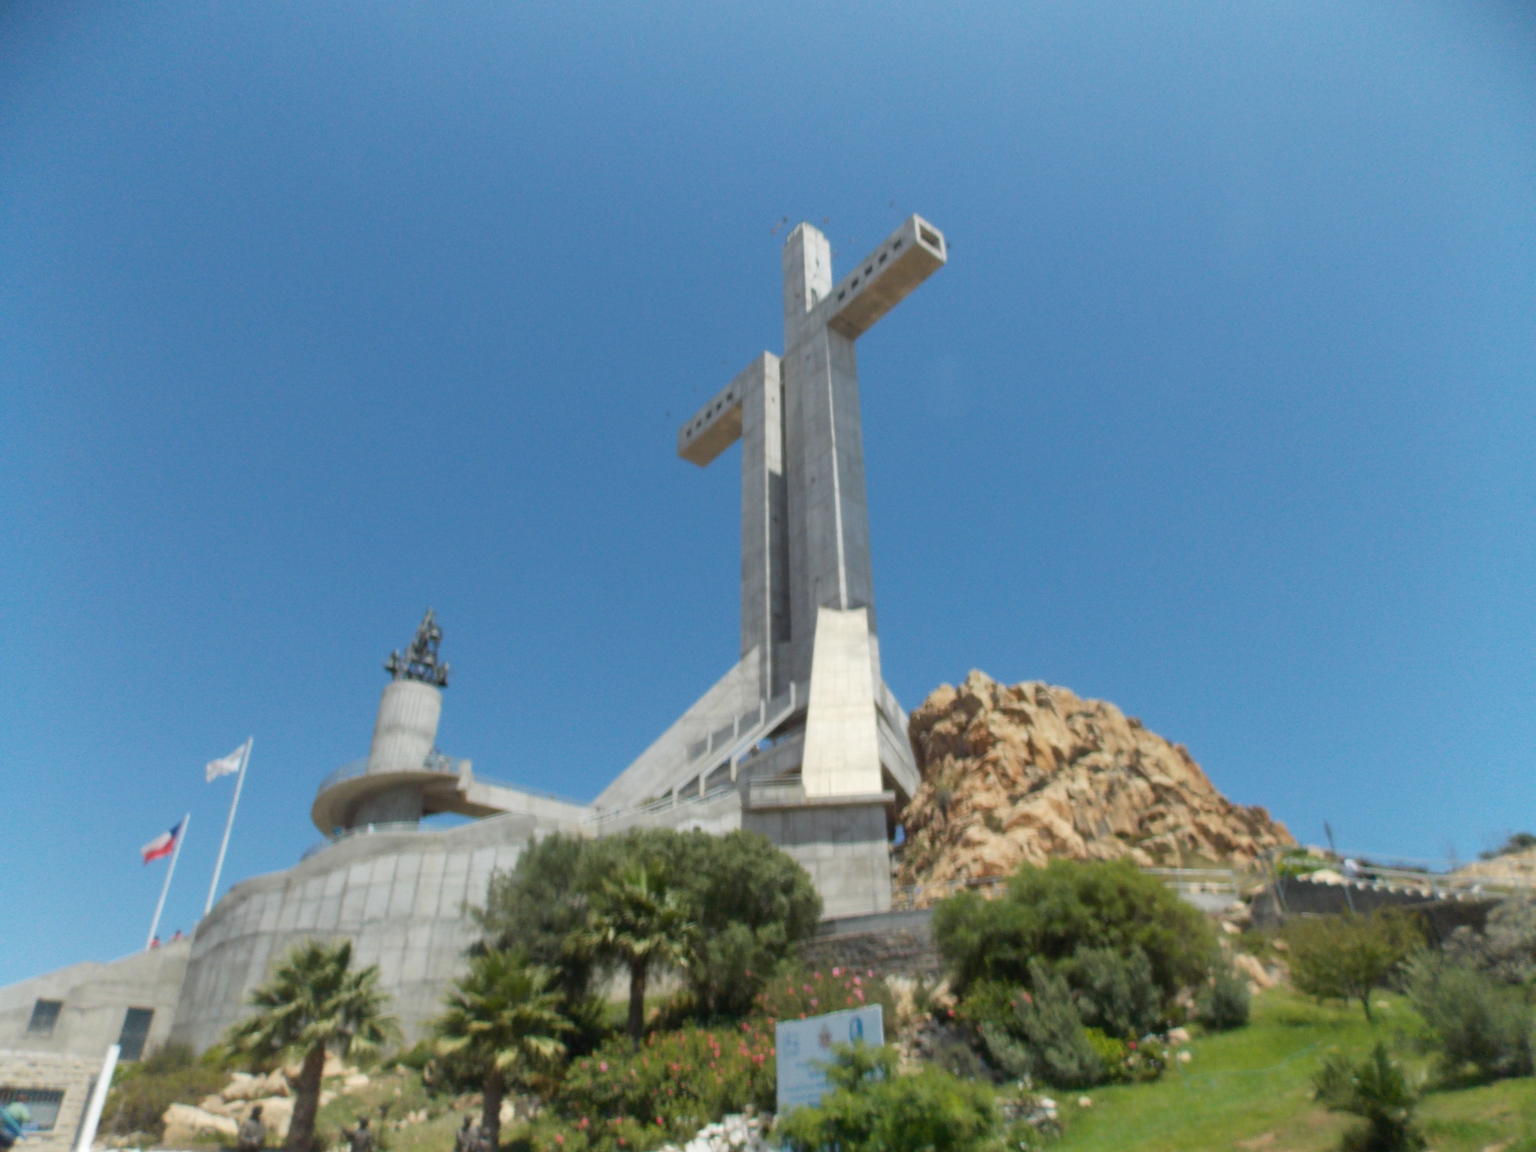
{"points": [[181, 835], [229, 822]]}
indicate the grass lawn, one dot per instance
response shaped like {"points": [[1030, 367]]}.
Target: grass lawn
{"points": [[1251, 1089]]}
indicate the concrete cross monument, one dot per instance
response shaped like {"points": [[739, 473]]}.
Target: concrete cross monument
{"points": [[803, 730]]}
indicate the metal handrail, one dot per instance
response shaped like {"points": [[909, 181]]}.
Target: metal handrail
{"points": [[603, 816], [432, 762]]}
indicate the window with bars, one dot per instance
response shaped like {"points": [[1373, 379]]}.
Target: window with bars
{"points": [[45, 1014], [43, 1103], [135, 1032]]}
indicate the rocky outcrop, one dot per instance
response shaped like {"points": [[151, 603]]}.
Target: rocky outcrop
{"points": [[1029, 772], [1516, 868]]}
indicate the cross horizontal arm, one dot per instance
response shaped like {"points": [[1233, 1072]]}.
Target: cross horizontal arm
{"points": [[717, 425], [906, 258]]}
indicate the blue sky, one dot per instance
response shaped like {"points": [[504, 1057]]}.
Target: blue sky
{"points": [[314, 315]]}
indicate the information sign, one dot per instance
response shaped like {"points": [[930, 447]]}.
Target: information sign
{"points": [[803, 1049]]}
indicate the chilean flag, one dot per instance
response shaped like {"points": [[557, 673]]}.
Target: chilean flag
{"points": [[162, 845]]}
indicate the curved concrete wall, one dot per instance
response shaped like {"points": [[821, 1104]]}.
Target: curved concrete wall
{"points": [[400, 896], [406, 727]]}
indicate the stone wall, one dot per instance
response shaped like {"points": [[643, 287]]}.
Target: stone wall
{"points": [[892, 943], [52, 1072], [400, 896], [1298, 896]]}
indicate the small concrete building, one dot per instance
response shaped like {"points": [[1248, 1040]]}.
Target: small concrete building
{"points": [[800, 740], [55, 1028]]}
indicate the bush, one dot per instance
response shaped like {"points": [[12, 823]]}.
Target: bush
{"points": [[1146, 1059], [1517, 842], [143, 1091], [1035, 1031], [753, 904], [747, 902], [1506, 947], [1349, 957], [1474, 1020], [670, 1087], [796, 992], [1111, 1053], [872, 1109], [1114, 993], [1376, 1090], [1050, 913], [1300, 862], [1224, 1002]]}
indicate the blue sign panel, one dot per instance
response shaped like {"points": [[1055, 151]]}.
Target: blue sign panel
{"points": [[803, 1049]]}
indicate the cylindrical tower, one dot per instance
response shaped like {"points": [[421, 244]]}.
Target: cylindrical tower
{"points": [[406, 730], [403, 764]]}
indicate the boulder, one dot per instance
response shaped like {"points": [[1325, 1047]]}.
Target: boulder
{"points": [[1259, 977], [185, 1124], [1027, 773], [243, 1086]]}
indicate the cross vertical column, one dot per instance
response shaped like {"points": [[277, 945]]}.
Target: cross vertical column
{"points": [[764, 545], [829, 514]]}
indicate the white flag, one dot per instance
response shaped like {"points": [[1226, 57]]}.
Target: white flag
{"points": [[224, 765]]}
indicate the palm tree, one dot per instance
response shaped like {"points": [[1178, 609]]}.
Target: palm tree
{"points": [[641, 923], [503, 1025], [313, 1003]]}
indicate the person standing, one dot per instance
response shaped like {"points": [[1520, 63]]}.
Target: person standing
{"points": [[253, 1133], [467, 1138], [359, 1139], [13, 1117]]}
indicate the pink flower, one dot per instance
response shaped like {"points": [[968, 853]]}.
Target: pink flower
{"points": [[603, 1067], [837, 971]]}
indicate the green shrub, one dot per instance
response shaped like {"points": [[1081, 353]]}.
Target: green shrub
{"points": [[1224, 1002], [796, 992], [1517, 842], [1474, 1020], [1506, 947], [1376, 1090], [1146, 1059], [1050, 913], [872, 1109], [670, 1087], [749, 905], [1035, 1031], [143, 1091], [1114, 993], [1349, 957], [753, 904], [1111, 1053], [1299, 862]]}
